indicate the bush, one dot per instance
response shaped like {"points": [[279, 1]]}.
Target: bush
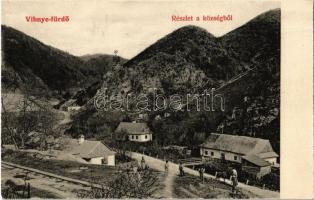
{"points": [[6, 152], [272, 181], [219, 166], [122, 158]]}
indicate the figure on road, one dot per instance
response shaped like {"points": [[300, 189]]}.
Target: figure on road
{"points": [[234, 180], [143, 163], [201, 171], [181, 169], [166, 166]]}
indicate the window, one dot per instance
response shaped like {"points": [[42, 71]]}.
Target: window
{"points": [[137, 137], [235, 157], [212, 153], [145, 136], [223, 156], [206, 152], [132, 136], [104, 161]]}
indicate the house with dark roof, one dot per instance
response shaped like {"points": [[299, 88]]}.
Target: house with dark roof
{"points": [[137, 132], [254, 153], [255, 165], [93, 152]]}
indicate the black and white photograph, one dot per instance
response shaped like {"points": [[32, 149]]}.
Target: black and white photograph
{"points": [[140, 99]]}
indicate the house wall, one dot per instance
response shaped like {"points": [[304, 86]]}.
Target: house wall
{"points": [[111, 160], [141, 137], [264, 170], [96, 161], [73, 108], [207, 153]]}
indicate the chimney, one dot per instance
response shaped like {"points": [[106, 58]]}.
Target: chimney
{"points": [[81, 139]]}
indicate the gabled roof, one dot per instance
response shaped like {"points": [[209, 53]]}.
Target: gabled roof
{"points": [[89, 149], [256, 160], [133, 128], [268, 155], [237, 144]]}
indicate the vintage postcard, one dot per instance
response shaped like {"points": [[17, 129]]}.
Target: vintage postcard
{"points": [[146, 99]]}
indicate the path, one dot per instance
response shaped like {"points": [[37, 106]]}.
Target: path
{"points": [[66, 119], [158, 164], [62, 124], [168, 183]]}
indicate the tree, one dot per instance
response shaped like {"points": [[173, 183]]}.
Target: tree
{"points": [[10, 133], [26, 115]]}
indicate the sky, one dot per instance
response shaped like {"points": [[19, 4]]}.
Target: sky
{"points": [[129, 26]]}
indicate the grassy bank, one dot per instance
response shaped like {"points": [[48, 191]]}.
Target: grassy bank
{"points": [[191, 187], [91, 173]]}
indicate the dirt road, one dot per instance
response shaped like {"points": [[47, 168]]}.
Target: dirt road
{"points": [[168, 183]]}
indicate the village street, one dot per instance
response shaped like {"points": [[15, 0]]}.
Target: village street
{"points": [[158, 164], [168, 183], [64, 189]]}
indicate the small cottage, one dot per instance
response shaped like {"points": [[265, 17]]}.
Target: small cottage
{"points": [[93, 152], [74, 108], [255, 154], [137, 132]]}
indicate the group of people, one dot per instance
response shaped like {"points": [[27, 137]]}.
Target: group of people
{"points": [[181, 171], [201, 170]]}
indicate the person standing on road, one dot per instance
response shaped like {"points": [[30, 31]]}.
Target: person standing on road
{"points": [[181, 169], [234, 180], [202, 171], [166, 167], [143, 163]]}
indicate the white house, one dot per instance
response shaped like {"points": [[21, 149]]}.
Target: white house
{"points": [[93, 152], [137, 132], [233, 148], [74, 108], [255, 155]]}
